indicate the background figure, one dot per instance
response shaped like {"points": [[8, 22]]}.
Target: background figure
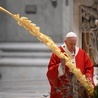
{"points": [[63, 83]]}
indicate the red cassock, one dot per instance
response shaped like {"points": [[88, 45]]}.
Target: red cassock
{"points": [[61, 87]]}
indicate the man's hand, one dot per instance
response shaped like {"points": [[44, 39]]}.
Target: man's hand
{"points": [[63, 62]]}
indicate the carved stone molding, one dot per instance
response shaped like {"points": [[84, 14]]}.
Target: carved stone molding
{"points": [[89, 30]]}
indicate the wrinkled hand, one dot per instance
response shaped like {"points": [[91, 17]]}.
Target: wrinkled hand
{"points": [[63, 62]]}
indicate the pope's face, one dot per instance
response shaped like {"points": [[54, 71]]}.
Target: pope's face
{"points": [[71, 43]]}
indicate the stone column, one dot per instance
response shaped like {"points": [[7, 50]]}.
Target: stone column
{"points": [[67, 8]]}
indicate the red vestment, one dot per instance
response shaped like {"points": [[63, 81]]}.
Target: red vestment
{"points": [[61, 86]]}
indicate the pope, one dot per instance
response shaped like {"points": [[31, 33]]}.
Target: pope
{"points": [[63, 82]]}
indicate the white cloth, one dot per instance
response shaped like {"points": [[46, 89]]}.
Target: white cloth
{"points": [[60, 69]]}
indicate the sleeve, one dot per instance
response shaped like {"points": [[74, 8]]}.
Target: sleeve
{"points": [[54, 70]]}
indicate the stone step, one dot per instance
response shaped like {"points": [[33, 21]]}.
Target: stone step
{"points": [[26, 54], [24, 95], [10, 61], [23, 46], [12, 46], [24, 89], [23, 69], [24, 86]]}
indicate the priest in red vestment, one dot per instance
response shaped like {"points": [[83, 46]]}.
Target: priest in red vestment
{"points": [[63, 83]]}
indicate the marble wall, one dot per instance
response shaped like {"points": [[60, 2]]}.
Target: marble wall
{"points": [[47, 17], [53, 21]]}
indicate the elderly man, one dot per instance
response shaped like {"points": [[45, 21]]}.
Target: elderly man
{"points": [[63, 83]]}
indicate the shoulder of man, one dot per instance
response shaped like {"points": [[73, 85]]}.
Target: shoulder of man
{"points": [[61, 48]]}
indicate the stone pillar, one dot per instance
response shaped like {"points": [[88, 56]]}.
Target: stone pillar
{"points": [[3, 21], [67, 9]]}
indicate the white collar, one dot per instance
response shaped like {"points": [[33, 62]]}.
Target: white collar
{"points": [[68, 52]]}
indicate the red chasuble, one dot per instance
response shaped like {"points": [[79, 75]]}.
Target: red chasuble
{"points": [[65, 86]]}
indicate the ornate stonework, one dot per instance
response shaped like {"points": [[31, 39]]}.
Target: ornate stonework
{"points": [[89, 30]]}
